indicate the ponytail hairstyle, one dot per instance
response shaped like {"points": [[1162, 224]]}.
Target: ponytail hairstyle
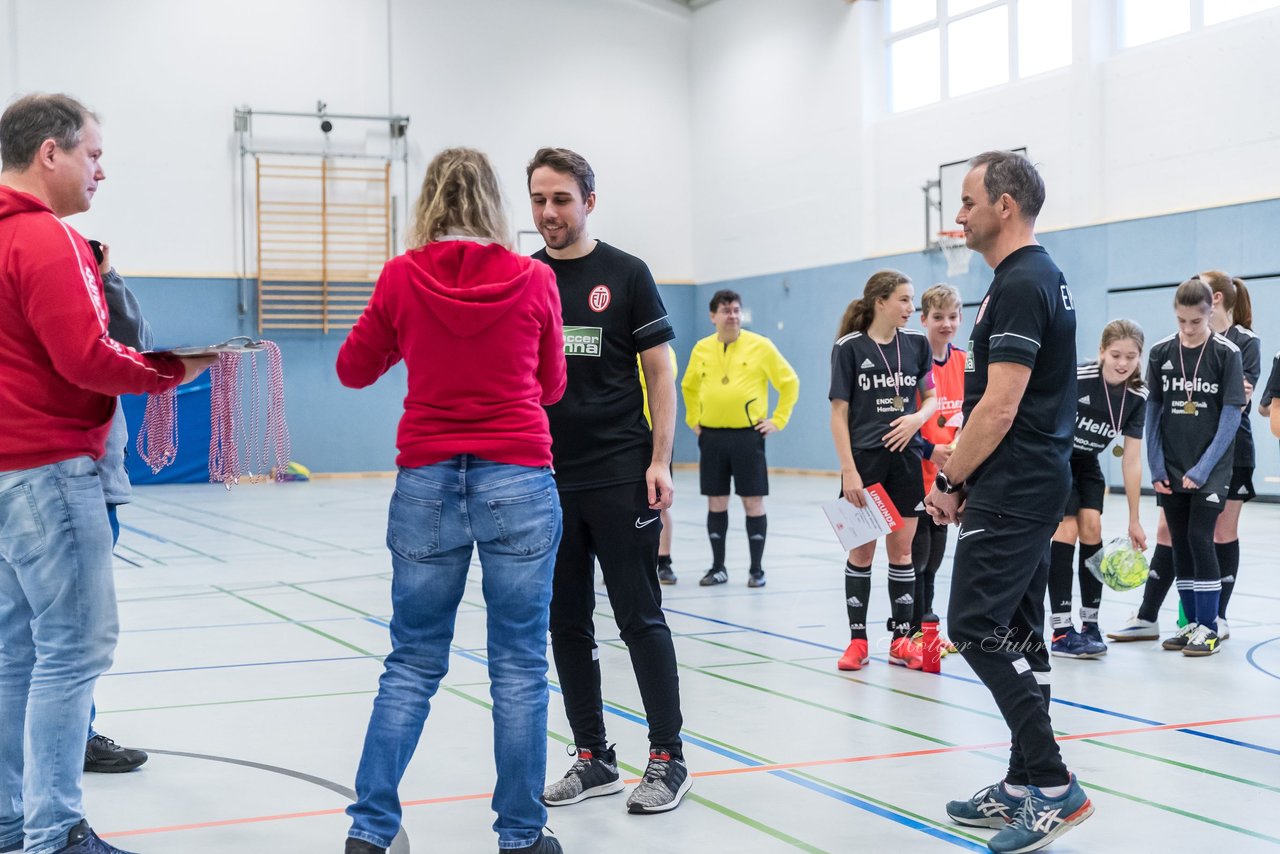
{"points": [[1195, 292], [460, 195], [1123, 329], [1235, 296], [860, 313]]}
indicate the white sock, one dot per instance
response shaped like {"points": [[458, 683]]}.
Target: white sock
{"points": [[1015, 791], [1054, 791]]}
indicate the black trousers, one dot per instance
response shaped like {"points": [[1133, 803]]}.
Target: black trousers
{"points": [[614, 525], [927, 550], [996, 619]]}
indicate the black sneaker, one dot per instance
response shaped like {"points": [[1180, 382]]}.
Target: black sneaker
{"points": [[666, 575], [756, 578], [360, 846], [1179, 640], [104, 756], [82, 840], [545, 845], [665, 783], [590, 777], [715, 575]]}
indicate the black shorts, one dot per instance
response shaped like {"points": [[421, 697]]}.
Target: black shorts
{"points": [[1088, 488], [735, 453], [1241, 484], [898, 473]]}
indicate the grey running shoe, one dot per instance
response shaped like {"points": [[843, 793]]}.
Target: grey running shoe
{"points": [[665, 783], [756, 578], [590, 777], [715, 575], [990, 807]]}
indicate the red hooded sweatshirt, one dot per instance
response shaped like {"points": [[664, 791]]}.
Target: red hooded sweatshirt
{"points": [[60, 371], [479, 329]]}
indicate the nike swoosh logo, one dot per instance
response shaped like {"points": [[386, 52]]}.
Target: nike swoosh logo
{"points": [[964, 534], [640, 524]]}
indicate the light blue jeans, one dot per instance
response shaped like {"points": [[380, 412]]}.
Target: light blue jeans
{"points": [[57, 635], [438, 512]]}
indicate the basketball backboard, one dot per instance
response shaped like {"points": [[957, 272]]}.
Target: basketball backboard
{"points": [[942, 197]]}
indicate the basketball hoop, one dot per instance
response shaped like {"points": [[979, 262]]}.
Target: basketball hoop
{"points": [[955, 251]]}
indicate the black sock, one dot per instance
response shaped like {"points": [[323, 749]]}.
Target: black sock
{"points": [[1060, 558], [1229, 567], [857, 590], [902, 586], [1090, 586], [717, 528], [757, 526], [1159, 580]]}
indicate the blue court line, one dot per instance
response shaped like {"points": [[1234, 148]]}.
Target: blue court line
{"points": [[1249, 657], [147, 534], [1096, 709], [812, 785], [245, 664]]}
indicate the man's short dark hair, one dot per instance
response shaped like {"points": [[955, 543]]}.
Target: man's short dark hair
{"points": [[724, 297], [32, 119], [1010, 172], [565, 162]]}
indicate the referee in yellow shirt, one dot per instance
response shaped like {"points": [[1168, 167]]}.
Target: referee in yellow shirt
{"points": [[726, 399]]}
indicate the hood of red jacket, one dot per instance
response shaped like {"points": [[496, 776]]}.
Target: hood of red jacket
{"points": [[469, 286], [14, 202]]}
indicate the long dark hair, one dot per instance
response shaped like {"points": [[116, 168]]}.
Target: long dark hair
{"points": [[860, 313], [1235, 296]]}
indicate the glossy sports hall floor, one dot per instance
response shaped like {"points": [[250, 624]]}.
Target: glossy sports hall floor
{"points": [[253, 621]]}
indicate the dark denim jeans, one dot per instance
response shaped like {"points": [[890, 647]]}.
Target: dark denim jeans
{"points": [[438, 513], [57, 634]]}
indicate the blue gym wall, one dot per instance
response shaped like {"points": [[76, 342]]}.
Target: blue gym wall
{"points": [[335, 429]]}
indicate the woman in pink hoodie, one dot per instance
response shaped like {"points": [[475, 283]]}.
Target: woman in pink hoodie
{"points": [[480, 332]]}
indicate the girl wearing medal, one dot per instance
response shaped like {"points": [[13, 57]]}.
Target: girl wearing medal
{"points": [[1111, 401], [1196, 394], [878, 369]]}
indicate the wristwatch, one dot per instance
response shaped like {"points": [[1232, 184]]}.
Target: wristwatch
{"points": [[944, 485]]}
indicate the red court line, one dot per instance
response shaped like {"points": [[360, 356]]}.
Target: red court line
{"points": [[724, 772]]}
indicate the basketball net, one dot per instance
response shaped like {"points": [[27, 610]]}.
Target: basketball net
{"points": [[265, 445], [955, 251]]}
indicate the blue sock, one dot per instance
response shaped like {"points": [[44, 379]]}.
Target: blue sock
{"points": [[1206, 599], [1187, 596]]}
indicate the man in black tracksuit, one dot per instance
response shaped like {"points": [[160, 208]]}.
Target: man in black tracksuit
{"points": [[1006, 483]]}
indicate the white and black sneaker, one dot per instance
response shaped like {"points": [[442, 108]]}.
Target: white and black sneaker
{"points": [[665, 783], [1136, 629], [715, 575], [590, 777]]}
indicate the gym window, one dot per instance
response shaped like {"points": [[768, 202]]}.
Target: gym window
{"points": [[1145, 21], [942, 48]]}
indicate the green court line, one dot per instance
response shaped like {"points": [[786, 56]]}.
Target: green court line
{"points": [[208, 527], [1172, 809], [720, 808], [288, 619], [204, 512], [244, 701], [1167, 761]]}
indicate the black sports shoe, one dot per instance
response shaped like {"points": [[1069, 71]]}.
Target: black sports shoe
{"points": [[715, 575], [545, 845], [590, 777], [104, 756], [665, 783], [666, 575], [756, 578], [360, 846], [82, 840]]}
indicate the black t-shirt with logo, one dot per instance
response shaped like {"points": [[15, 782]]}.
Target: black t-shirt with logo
{"points": [[870, 376], [612, 311], [1104, 411], [1173, 378], [1027, 318], [1251, 364]]}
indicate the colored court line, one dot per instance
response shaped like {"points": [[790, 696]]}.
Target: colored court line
{"points": [[238, 535], [205, 512], [722, 809], [244, 664], [1249, 657], [1096, 709], [159, 539]]}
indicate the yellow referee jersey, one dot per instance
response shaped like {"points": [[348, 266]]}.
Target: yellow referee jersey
{"points": [[644, 388], [729, 386]]}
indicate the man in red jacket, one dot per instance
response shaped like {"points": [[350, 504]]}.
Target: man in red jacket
{"points": [[60, 374]]}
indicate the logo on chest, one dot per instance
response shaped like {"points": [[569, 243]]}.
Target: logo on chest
{"points": [[599, 298], [583, 340]]}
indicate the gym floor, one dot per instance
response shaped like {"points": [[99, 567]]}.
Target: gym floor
{"points": [[253, 621]]}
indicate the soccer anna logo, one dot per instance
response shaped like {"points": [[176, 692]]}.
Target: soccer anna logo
{"points": [[599, 298]]}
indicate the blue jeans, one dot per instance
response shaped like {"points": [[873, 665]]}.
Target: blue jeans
{"points": [[437, 513], [115, 538], [57, 634]]}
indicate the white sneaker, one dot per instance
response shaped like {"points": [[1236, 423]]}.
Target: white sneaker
{"points": [[1136, 629], [1224, 631]]}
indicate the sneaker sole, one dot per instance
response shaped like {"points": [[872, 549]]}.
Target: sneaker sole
{"points": [[1125, 638], [595, 792], [666, 582], [991, 823], [1199, 653], [113, 769], [1173, 647], [640, 809], [711, 582], [1071, 821], [849, 667], [754, 583], [902, 662], [1081, 656]]}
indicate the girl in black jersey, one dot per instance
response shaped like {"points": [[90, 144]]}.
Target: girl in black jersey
{"points": [[877, 369], [1233, 319], [1196, 393], [1111, 402]]}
